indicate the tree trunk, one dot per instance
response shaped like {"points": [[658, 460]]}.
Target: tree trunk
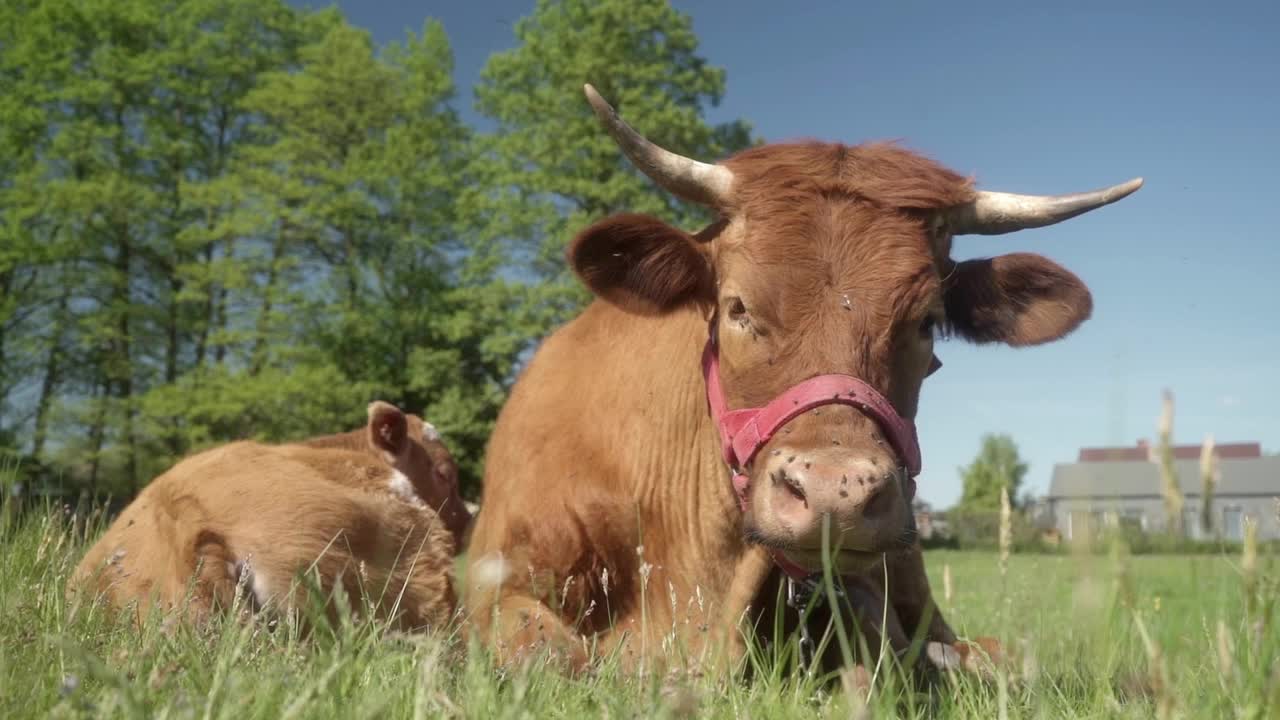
{"points": [[258, 356], [171, 268], [6, 286], [124, 354], [171, 352], [212, 299], [210, 305], [96, 434], [52, 378], [220, 322]]}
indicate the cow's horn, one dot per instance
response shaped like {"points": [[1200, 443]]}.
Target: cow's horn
{"points": [[996, 213], [692, 180]]}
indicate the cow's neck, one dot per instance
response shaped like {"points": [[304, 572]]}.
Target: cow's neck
{"points": [[675, 471], [675, 463]]}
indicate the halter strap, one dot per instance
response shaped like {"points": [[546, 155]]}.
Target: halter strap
{"points": [[744, 432]]}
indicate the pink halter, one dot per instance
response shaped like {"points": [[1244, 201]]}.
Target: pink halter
{"points": [[744, 432]]}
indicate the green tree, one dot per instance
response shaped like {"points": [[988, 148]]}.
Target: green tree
{"points": [[997, 466], [115, 116], [227, 219], [548, 169], [352, 202]]}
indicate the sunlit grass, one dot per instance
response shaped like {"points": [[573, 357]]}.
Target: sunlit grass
{"points": [[1091, 636]]}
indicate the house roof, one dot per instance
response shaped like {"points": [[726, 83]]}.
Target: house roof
{"points": [[1143, 451], [1255, 476]]}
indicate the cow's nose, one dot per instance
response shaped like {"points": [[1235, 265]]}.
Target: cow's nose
{"points": [[856, 493]]}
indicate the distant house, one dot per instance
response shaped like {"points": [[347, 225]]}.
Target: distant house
{"points": [[928, 524], [1126, 481]]}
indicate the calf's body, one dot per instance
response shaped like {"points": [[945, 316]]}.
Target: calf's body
{"points": [[261, 517]]}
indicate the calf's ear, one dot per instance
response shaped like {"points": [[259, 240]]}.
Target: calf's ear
{"points": [[642, 264], [388, 429], [1017, 299]]}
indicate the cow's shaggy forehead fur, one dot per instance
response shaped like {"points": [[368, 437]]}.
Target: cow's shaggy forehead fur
{"points": [[769, 180], [809, 217], [814, 229]]}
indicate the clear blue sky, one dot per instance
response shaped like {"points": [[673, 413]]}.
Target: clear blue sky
{"points": [[1041, 98]]}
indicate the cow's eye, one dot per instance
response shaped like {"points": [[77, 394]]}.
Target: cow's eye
{"points": [[927, 325], [737, 310]]}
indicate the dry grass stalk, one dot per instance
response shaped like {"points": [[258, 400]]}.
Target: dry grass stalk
{"points": [[1170, 488], [1249, 559], [1209, 477], [1158, 672], [1006, 531], [1226, 668], [1249, 564], [948, 587]]}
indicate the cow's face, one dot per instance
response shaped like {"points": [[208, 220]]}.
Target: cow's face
{"points": [[415, 449], [831, 260], [837, 287]]}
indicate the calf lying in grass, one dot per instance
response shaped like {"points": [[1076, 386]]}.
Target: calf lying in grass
{"points": [[357, 513]]}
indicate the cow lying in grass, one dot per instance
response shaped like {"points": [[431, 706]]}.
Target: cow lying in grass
{"points": [[376, 510], [739, 403]]}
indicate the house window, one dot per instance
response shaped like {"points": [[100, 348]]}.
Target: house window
{"points": [[1133, 518], [1232, 523], [1078, 525], [1191, 522]]}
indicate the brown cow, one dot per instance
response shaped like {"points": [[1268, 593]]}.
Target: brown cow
{"points": [[609, 519], [343, 507], [437, 489]]}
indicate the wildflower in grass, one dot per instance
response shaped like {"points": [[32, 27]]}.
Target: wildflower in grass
{"points": [[564, 592], [645, 567], [69, 685]]}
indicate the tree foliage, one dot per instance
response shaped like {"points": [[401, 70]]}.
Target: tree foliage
{"points": [[548, 169], [226, 219], [996, 466]]}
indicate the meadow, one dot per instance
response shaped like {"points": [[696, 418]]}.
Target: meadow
{"points": [[1092, 635]]}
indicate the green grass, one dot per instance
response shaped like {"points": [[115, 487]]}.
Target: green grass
{"points": [[1074, 620]]}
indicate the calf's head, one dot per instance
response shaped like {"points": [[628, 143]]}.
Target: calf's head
{"points": [[831, 259], [414, 448]]}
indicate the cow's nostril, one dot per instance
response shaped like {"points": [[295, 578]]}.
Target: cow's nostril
{"points": [[792, 485], [879, 499]]}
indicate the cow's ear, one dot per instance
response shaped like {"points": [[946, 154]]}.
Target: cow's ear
{"points": [[388, 429], [1017, 299], [642, 264]]}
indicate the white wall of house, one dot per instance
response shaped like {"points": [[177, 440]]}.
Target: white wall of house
{"points": [[1071, 514]]}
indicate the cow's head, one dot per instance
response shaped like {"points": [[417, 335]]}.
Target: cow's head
{"points": [[830, 259], [414, 447]]}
